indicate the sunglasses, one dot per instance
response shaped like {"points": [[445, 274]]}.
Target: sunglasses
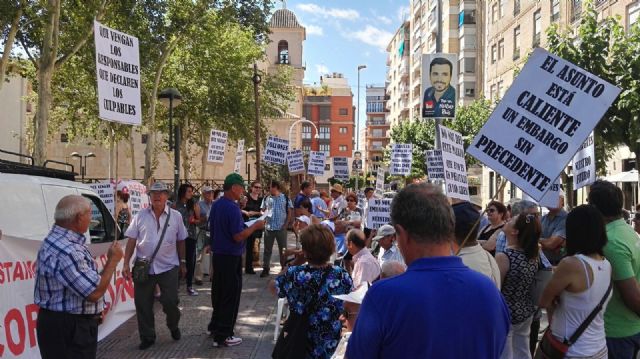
{"points": [[350, 200], [491, 210], [257, 187], [346, 314]]}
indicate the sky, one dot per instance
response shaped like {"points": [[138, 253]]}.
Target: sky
{"points": [[342, 34]]}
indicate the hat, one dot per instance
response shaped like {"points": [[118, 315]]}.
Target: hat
{"points": [[206, 189], [234, 178], [337, 187], [158, 187], [385, 230], [476, 201], [327, 223], [357, 296], [465, 216], [305, 219]]}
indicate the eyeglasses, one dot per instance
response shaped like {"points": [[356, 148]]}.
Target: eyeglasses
{"points": [[347, 314], [491, 210], [257, 187]]}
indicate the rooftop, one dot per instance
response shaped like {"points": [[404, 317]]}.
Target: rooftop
{"points": [[284, 18]]}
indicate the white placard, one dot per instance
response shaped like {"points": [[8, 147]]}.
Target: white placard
{"points": [[341, 169], [380, 181], [435, 167], [217, 146], [379, 212], [295, 159], [584, 164], [401, 157], [316, 163], [239, 153], [551, 199], [544, 117], [118, 75], [105, 191], [356, 163], [455, 167], [276, 150], [138, 198]]}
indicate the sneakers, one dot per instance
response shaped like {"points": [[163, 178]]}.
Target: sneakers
{"points": [[191, 292], [229, 342]]}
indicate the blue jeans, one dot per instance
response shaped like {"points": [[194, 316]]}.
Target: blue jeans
{"points": [[624, 348]]}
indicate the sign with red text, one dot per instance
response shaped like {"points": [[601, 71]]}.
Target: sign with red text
{"points": [[542, 120]]}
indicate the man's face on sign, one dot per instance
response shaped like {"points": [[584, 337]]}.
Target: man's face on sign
{"points": [[440, 77]]}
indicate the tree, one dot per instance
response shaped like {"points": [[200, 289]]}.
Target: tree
{"points": [[601, 47]]}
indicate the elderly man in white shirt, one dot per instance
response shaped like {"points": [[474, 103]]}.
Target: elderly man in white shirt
{"points": [[386, 237], [365, 265]]}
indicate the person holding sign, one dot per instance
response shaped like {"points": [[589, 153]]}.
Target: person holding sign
{"points": [[439, 99]]}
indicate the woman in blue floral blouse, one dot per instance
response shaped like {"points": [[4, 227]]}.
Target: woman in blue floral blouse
{"points": [[299, 283]]}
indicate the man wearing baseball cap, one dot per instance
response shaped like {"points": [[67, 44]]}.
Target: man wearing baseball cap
{"points": [[386, 238], [228, 235]]}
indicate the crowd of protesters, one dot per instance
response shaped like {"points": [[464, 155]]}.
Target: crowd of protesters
{"points": [[443, 279]]}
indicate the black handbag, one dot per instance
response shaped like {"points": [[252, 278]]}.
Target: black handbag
{"points": [[293, 341], [141, 266]]}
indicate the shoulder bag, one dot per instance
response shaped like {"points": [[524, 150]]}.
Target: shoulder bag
{"points": [[552, 348], [293, 342], [141, 266]]}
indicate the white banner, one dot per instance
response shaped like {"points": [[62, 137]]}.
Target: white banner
{"points": [[276, 150], [106, 192], [239, 153], [551, 199], [138, 198], [544, 117], [295, 159], [118, 75], [18, 313], [401, 157], [584, 164], [217, 146], [341, 169], [435, 167], [316, 163], [380, 181], [379, 212], [455, 167]]}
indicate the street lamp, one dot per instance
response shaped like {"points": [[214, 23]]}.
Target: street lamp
{"points": [[299, 121], [360, 67], [83, 162], [170, 98], [256, 78], [246, 160]]}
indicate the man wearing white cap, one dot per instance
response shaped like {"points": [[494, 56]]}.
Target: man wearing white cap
{"points": [[386, 237]]}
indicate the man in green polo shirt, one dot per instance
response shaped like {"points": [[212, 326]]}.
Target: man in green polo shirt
{"points": [[622, 316]]}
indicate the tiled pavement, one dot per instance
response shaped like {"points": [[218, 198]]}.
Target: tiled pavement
{"points": [[254, 326]]}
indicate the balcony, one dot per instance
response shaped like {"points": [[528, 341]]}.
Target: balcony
{"points": [[404, 89]]}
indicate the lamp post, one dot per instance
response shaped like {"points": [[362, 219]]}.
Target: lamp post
{"points": [[171, 97], [83, 162], [246, 160], [299, 121], [256, 81], [360, 67]]}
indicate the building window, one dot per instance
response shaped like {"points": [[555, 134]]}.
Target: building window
{"points": [[576, 9], [500, 89], [343, 148], [377, 133], [501, 8], [343, 130], [325, 132], [494, 12], [633, 13], [500, 49], [516, 43], [469, 89], [306, 148], [144, 138], [492, 92], [324, 147], [555, 10], [283, 52], [376, 145], [324, 112], [64, 138], [469, 65], [343, 112], [494, 53], [306, 132], [537, 28], [516, 7]]}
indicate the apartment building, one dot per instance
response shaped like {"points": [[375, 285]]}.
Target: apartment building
{"points": [[377, 128], [397, 81]]}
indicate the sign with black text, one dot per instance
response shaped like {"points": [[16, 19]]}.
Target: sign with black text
{"points": [[217, 146], [379, 191], [584, 164], [455, 167], [239, 153], [341, 169], [435, 167], [316, 163], [551, 199], [106, 192], [542, 120], [276, 150], [401, 157], [295, 159], [379, 212], [118, 75]]}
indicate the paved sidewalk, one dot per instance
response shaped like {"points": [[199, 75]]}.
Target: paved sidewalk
{"points": [[254, 325]]}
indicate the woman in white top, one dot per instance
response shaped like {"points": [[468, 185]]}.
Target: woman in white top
{"points": [[579, 283]]}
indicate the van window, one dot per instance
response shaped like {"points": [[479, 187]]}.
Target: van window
{"points": [[102, 225]]}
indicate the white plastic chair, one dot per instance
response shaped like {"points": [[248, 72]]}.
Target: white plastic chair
{"points": [[280, 308]]}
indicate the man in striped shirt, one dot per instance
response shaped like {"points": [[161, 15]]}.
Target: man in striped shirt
{"points": [[68, 287]]}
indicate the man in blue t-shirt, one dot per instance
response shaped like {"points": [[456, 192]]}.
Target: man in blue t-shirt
{"points": [[305, 193], [228, 235], [439, 308]]}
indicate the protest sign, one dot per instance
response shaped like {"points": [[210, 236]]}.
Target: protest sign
{"points": [[217, 146], [276, 150], [105, 191], [435, 167], [356, 164], [341, 169], [551, 199], [118, 75], [295, 159], [138, 198], [401, 157], [239, 153], [379, 212], [379, 191], [584, 164], [439, 79], [316, 163], [544, 117], [455, 167]]}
